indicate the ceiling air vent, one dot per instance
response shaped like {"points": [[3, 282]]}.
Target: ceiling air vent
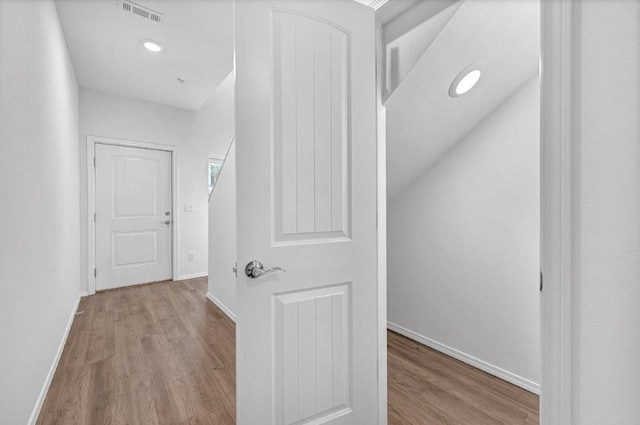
{"points": [[144, 12]]}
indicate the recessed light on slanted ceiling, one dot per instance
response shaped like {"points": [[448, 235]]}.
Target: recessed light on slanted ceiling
{"points": [[152, 46], [465, 80]]}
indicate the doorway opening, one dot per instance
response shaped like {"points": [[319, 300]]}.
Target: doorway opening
{"points": [[460, 85]]}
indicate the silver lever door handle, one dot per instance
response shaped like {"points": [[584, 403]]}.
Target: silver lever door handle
{"points": [[167, 222], [255, 269]]}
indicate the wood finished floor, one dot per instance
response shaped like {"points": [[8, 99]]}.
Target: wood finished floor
{"points": [[428, 387], [162, 354], [158, 354]]}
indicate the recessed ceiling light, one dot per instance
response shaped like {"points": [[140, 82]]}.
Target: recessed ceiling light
{"points": [[152, 46], [465, 81]]}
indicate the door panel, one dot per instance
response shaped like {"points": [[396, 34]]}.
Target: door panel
{"points": [[133, 204], [312, 341], [307, 338], [135, 185], [134, 248], [311, 121]]}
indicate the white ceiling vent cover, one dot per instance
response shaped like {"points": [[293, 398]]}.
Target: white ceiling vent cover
{"points": [[144, 12]]}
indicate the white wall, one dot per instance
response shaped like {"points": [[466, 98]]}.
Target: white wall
{"points": [[222, 204], [213, 126], [39, 201], [223, 238], [210, 135], [463, 244], [607, 217]]}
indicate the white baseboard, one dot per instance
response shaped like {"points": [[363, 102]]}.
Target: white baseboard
{"points": [[470, 360], [52, 371], [221, 306], [192, 275]]}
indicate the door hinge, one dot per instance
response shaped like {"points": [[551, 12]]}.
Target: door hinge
{"points": [[94, 217], [95, 273], [541, 281], [94, 162]]}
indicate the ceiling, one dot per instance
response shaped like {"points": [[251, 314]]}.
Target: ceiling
{"points": [[410, 34], [105, 48], [423, 122], [374, 4]]}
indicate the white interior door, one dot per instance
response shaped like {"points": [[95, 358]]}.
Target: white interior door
{"points": [[307, 338], [133, 216]]}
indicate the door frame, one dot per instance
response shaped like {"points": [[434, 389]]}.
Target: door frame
{"points": [[92, 141], [559, 137]]}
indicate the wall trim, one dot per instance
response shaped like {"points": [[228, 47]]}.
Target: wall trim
{"points": [[192, 275], [496, 371], [54, 366], [560, 95], [381, 225], [221, 306]]}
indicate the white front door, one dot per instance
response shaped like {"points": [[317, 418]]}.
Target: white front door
{"points": [[307, 338], [133, 216]]}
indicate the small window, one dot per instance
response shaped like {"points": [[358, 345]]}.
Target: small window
{"points": [[215, 165]]}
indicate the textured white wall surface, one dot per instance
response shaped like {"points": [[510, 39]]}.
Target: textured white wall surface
{"points": [[213, 126], [210, 135], [223, 237], [607, 217], [39, 200], [463, 243]]}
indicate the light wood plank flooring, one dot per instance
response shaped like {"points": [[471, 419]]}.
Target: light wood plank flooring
{"points": [[428, 387], [152, 354], [162, 354]]}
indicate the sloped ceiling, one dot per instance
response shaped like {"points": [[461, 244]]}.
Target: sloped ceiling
{"points": [[107, 55], [423, 122], [410, 34]]}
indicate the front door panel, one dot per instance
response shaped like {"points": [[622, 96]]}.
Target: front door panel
{"points": [[133, 216]]}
